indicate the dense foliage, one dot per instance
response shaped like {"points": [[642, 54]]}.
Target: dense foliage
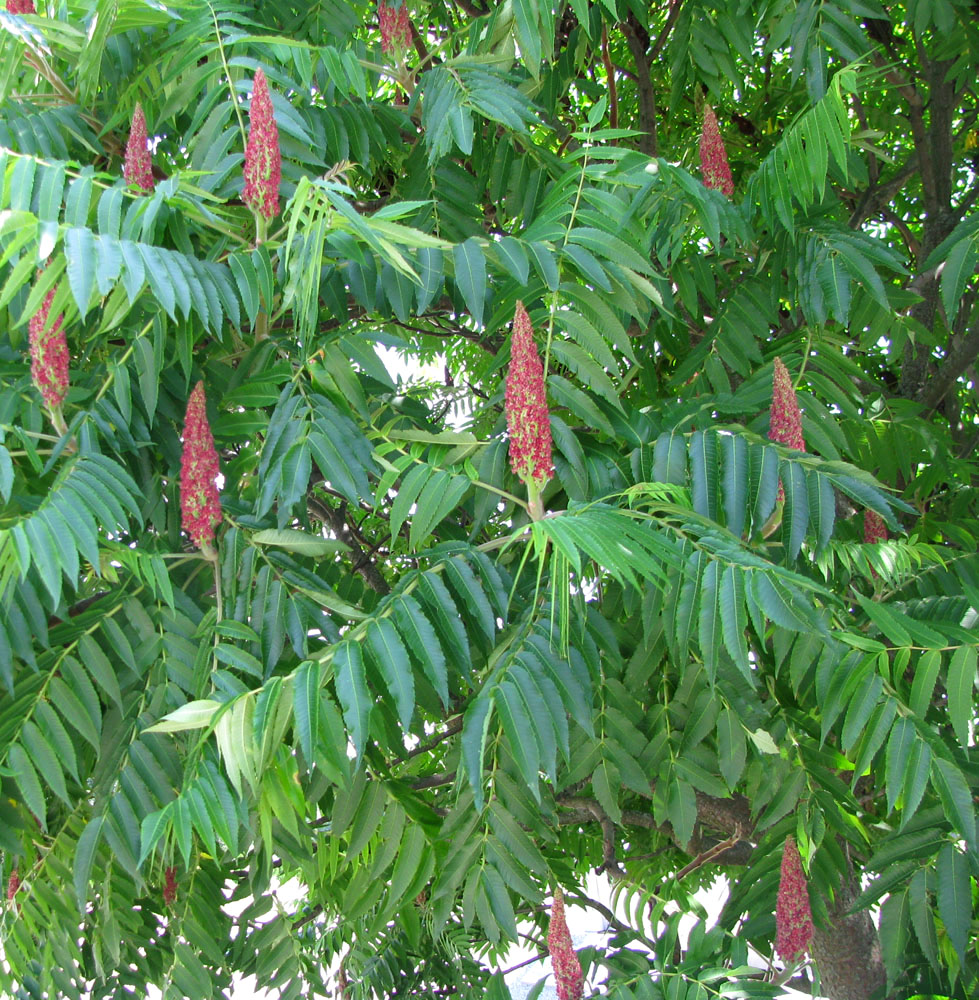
{"points": [[349, 738]]}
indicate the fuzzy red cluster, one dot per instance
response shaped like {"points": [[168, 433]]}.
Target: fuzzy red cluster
{"points": [[137, 168], [263, 160], [785, 423], [713, 155], [874, 529], [395, 26], [170, 886], [564, 959], [793, 916], [13, 884], [785, 426], [21, 7], [49, 354], [200, 503], [526, 405]]}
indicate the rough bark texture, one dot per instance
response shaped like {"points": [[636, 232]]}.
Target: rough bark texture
{"points": [[847, 953]]}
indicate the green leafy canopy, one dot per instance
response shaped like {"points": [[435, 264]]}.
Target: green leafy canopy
{"points": [[367, 735]]}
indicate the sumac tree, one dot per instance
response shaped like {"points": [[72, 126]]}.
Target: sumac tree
{"points": [[354, 742]]}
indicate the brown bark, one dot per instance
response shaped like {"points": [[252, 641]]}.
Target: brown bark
{"points": [[847, 952], [638, 41]]}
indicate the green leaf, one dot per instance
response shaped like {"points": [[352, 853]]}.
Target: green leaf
{"points": [[731, 747], [528, 34], [72, 710], [863, 701], [408, 861], [681, 809], [734, 617], [42, 754], [475, 728], [925, 675], [391, 659], [300, 542], [520, 733], [703, 473], [922, 916], [959, 267], [898, 749], [98, 665], [22, 771], [351, 684], [889, 622], [605, 782], [710, 626], [956, 798], [423, 643], [670, 459], [192, 715], [734, 448], [960, 690], [80, 254], [306, 706], [440, 495], [152, 830], [470, 277], [954, 897], [83, 859], [514, 258], [915, 779]]}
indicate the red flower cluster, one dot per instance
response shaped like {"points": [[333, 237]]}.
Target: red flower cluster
{"points": [[49, 354], [526, 405], [874, 529], [13, 884], [21, 7], [170, 886], [785, 422], [395, 26], [713, 155], [793, 916], [200, 504], [137, 169], [263, 161], [564, 959], [785, 425]]}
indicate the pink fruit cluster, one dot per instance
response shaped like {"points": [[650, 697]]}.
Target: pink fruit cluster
{"points": [[785, 420], [49, 354], [170, 886], [526, 406], [137, 168], [13, 884], [568, 977], [793, 916], [263, 160], [395, 26], [21, 7], [874, 529], [713, 155], [200, 503]]}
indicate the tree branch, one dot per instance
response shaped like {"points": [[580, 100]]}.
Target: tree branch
{"points": [[638, 40]]}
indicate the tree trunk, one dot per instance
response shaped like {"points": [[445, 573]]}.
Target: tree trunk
{"points": [[847, 953]]}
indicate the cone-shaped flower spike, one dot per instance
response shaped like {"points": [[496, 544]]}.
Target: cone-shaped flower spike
{"points": [[785, 424], [263, 161], [200, 503], [137, 169], [713, 155], [793, 916], [49, 355], [395, 27], [564, 959], [526, 406]]}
